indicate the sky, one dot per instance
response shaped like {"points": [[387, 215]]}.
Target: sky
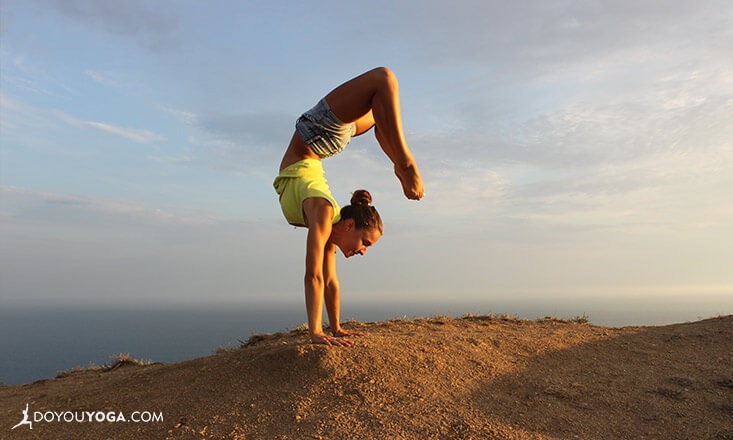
{"points": [[568, 149]]}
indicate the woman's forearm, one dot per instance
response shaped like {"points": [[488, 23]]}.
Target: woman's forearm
{"points": [[333, 305], [314, 303]]}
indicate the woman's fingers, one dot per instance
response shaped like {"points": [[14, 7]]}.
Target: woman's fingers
{"points": [[342, 333], [333, 341], [342, 342]]}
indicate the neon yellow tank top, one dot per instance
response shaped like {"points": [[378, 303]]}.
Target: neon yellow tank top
{"points": [[299, 181]]}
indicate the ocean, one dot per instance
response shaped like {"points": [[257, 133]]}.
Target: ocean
{"points": [[37, 342]]}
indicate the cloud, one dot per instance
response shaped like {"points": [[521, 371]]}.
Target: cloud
{"points": [[256, 130], [27, 85], [101, 79], [117, 251], [613, 122], [29, 205], [95, 76], [240, 143], [187, 118], [23, 119], [491, 66], [530, 38], [152, 27], [134, 134]]}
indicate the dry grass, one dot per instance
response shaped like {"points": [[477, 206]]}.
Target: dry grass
{"points": [[229, 347], [580, 319], [118, 360]]}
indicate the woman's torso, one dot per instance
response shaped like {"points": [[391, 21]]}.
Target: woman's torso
{"points": [[297, 151]]}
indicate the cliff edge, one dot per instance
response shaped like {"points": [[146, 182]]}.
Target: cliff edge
{"points": [[477, 377]]}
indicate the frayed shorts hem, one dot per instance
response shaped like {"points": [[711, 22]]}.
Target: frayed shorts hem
{"points": [[324, 133]]}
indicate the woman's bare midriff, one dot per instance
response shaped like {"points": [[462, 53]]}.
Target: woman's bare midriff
{"points": [[297, 151]]}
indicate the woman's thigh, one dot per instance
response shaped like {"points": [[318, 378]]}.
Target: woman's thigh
{"points": [[352, 100], [364, 124]]}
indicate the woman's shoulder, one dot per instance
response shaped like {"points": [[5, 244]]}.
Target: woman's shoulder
{"points": [[318, 211]]}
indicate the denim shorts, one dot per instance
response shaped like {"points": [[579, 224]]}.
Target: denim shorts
{"points": [[322, 131]]}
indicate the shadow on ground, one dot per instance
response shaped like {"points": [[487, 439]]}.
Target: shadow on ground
{"points": [[673, 382]]}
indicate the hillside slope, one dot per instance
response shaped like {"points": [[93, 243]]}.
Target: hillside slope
{"points": [[474, 377]]}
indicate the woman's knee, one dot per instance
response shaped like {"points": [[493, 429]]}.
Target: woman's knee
{"points": [[384, 76]]}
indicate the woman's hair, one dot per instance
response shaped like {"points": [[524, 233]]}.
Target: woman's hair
{"points": [[361, 210]]}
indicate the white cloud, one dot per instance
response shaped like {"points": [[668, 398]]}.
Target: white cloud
{"points": [[134, 134], [27, 85], [101, 78], [95, 76], [187, 118], [24, 119]]}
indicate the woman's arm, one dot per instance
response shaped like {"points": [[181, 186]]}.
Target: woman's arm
{"points": [[318, 213], [332, 293], [333, 300]]}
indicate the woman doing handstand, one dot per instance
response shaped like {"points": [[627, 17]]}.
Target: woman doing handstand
{"points": [[369, 100]]}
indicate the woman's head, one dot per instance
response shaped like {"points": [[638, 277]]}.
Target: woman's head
{"points": [[361, 210], [360, 224]]}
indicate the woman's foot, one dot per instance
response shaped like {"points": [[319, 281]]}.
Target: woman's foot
{"points": [[410, 180]]}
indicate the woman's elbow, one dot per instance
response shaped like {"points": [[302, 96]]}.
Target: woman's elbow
{"points": [[314, 277], [332, 284]]}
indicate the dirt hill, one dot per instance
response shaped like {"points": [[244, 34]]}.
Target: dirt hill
{"points": [[468, 378]]}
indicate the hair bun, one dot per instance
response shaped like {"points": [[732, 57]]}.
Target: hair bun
{"points": [[361, 197]]}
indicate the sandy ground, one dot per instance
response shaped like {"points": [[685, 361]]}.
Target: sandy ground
{"points": [[437, 378]]}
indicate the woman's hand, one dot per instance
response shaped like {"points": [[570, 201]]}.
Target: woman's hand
{"points": [[320, 338], [340, 333]]}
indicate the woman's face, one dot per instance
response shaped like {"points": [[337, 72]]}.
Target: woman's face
{"points": [[356, 241]]}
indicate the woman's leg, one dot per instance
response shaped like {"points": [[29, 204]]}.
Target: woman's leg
{"points": [[374, 96]]}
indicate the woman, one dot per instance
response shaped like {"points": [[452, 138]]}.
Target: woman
{"points": [[369, 100]]}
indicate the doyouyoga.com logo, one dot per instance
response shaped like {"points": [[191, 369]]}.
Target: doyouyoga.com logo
{"points": [[88, 417]]}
